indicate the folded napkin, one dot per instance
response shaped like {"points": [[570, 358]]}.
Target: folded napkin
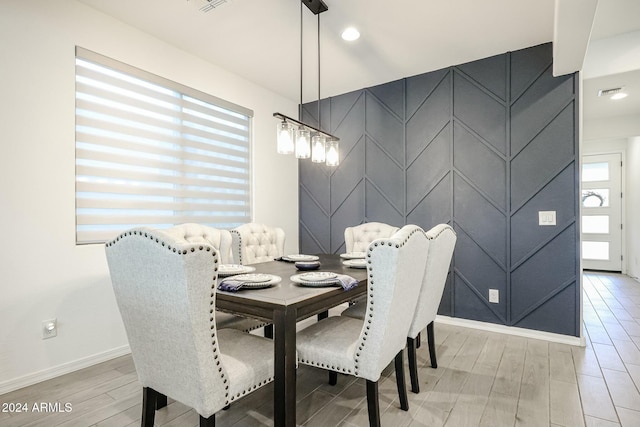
{"points": [[231, 285], [347, 282]]}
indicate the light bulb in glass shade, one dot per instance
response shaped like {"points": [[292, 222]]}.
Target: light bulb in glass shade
{"points": [[333, 153], [318, 149], [303, 144], [285, 138]]}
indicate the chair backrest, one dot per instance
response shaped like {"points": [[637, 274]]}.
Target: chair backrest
{"points": [[252, 243], [395, 269], [442, 240], [358, 238], [166, 293], [198, 233]]}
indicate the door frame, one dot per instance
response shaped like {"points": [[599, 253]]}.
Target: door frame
{"points": [[623, 207]]}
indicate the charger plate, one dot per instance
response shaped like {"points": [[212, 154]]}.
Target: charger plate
{"points": [[231, 269], [316, 279], [300, 257], [257, 281], [353, 255], [355, 263]]}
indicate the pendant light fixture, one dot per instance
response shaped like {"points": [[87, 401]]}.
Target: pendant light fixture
{"points": [[294, 135]]}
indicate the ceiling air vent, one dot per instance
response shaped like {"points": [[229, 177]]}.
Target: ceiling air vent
{"points": [[206, 5], [609, 92]]}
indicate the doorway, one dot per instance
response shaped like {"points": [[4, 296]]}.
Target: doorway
{"points": [[601, 214]]}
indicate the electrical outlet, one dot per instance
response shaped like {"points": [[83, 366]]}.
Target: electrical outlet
{"points": [[494, 296], [49, 328]]}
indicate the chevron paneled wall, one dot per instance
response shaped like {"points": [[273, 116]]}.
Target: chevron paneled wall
{"points": [[482, 146]]}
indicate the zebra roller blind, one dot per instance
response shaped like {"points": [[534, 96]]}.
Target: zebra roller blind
{"points": [[152, 152]]}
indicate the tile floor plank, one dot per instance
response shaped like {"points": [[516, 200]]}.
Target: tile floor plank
{"points": [[484, 379]]}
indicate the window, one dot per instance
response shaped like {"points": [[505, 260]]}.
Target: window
{"points": [[151, 152]]}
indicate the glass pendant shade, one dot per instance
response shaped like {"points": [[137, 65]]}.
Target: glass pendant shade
{"points": [[303, 144], [333, 153], [318, 147], [285, 138]]}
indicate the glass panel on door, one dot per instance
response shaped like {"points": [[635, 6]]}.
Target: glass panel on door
{"points": [[595, 224], [595, 250], [595, 198], [595, 172]]}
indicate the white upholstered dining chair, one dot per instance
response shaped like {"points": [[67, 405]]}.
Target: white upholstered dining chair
{"points": [[358, 238], [221, 241], [442, 240], [166, 292], [253, 243], [364, 348]]}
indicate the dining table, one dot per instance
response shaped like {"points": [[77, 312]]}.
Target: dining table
{"points": [[285, 304]]}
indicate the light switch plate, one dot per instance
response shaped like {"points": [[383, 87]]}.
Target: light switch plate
{"points": [[547, 217]]}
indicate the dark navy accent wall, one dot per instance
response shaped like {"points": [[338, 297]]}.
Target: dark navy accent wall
{"points": [[482, 146]]}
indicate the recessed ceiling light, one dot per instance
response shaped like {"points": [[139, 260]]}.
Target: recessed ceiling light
{"points": [[350, 34], [619, 95]]}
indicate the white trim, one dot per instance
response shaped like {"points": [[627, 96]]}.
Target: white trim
{"points": [[65, 368], [511, 330]]}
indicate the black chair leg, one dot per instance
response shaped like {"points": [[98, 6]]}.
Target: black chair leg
{"points": [[413, 365], [373, 406], [161, 401], [323, 315], [418, 340], [149, 401], [333, 378], [402, 387], [208, 422], [268, 331], [432, 345]]}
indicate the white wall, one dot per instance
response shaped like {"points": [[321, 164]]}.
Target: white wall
{"points": [[633, 207], [44, 274], [616, 134]]}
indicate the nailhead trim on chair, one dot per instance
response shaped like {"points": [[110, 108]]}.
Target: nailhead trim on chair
{"points": [[214, 342], [448, 227], [239, 260], [371, 282]]}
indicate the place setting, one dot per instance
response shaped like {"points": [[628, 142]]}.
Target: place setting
{"points": [[225, 270], [248, 281], [354, 259], [299, 258], [321, 279]]}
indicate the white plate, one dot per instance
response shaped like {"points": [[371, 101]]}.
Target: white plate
{"points": [[300, 257], [230, 269], [317, 276], [253, 278], [353, 255], [355, 263], [327, 281], [257, 281]]}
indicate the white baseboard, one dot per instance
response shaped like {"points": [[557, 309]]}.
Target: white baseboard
{"points": [[65, 368], [511, 330]]}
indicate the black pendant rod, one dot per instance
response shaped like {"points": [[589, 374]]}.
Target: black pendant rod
{"points": [[300, 107], [319, 121]]}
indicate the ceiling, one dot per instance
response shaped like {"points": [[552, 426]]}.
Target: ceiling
{"points": [[613, 18], [260, 40]]}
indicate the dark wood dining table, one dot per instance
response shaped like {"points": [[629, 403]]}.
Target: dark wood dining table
{"points": [[284, 305]]}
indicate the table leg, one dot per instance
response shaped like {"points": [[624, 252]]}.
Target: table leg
{"points": [[284, 403]]}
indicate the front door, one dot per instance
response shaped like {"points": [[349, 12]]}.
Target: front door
{"points": [[601, 224]]}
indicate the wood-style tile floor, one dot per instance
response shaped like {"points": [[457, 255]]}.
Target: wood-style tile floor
{"points": [[483, 379]]}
